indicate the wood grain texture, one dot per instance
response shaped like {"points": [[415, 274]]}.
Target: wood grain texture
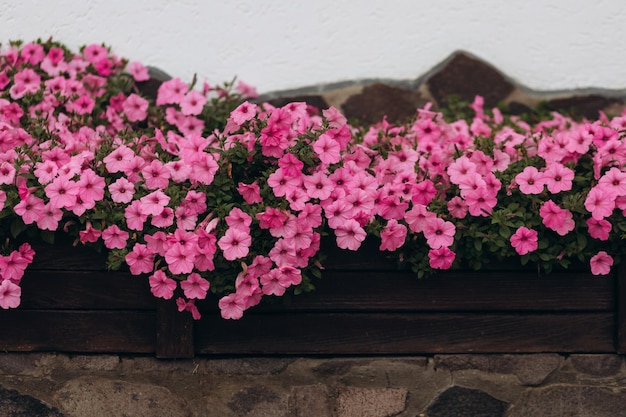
{"points": [[621, 309], [174, 332], [347, 334], [77, 331]]}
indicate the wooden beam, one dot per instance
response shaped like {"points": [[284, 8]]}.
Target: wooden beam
{"points": [[621, 309], [174, 331]]}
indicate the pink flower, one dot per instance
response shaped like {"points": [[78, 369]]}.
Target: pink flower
{"points": [[195, 286], [135, 108], [122, 190], [135, 216], [62, 192], [392, 236], [251, 193], [556, 218], [480, 201], [441, 258], [530, 181], [161, 286], [232, 306], [154, 203], [114, 237], [192, 103], [179, 259], [439, 233], [10, 294], [524, 240], [558, 178], [189, 306], [156, 175], [283, 253], [457, 207], [350, 235], [599, 229], [327, 149], [244, 112], [138, 71], [140, 259], [235, 244], [171, 92], [601, 263], [600, 201], [418, 217]]}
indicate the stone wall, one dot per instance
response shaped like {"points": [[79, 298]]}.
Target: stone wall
{"points": [[47, 384]]}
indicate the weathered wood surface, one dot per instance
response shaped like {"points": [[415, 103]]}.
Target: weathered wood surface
{"points": [[362, 305], [344, 333]]}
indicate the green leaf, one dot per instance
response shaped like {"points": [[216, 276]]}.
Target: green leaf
{"points": [[582, 241], [48, 237], [478, 245], [505, 232], [17, 227]]}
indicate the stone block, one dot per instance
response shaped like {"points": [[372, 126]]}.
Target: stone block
{"points": [[14, 404], [370, 402], [259, 401], [379, 100], [310, 401], [465, 402], [571, 401], [597, 365], [530, 369], [99, 397]]}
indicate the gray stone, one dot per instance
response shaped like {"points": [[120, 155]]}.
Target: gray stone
{"points": [[95, 362], [91, 396], [14, 404], [247, 366], [379, 100], [530, 369], [19, 363], [466, 76], [370, 402], [336, 367], [465, 402], [310, 401], [597, 365], [258, 401], [571, 401]]}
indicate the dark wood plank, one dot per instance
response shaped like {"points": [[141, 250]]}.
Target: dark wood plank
{"points": [[77, 331], [92, 290], [346, 334], [621, 309], [65, 256], [174, 333], [451, 291]]}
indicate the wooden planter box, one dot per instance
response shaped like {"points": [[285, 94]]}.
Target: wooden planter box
{"points": [[363, 305]]}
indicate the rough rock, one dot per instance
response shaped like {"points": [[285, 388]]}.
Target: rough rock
{"points": [[92, 396], [571, 401], [465, 76], [587, 106], [379, 100], [597, 365], [310, 401], [258, 401], [465, 402], [370, 402], [14, 404], [530, 369]]}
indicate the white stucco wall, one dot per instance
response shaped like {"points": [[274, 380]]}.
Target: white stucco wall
{"points": [[284, 44]]}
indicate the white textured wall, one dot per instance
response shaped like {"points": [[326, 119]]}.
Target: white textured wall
{"points": [[283, 44]]}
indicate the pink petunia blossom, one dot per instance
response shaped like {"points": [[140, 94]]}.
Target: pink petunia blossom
{"points": [[154, 203], [480, 201], [530, 181], [244, 112], [600, 201], [524, 240], [251, 193], [114, 237], [235, 244], [10, 294], [135, 108], [392, 236], [195, 286], [232, 306], [441, 258], [192, 103], [327, 149], [138, 71], [556, 218], [439, 233], [62, 192], [601, 263], [599, 229], [349, 235], [418, 217], [135, 215], [161, 285], [140, 259], [30, 208], [457, 207], [122, 190], [283, 253], [558, 177]]}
